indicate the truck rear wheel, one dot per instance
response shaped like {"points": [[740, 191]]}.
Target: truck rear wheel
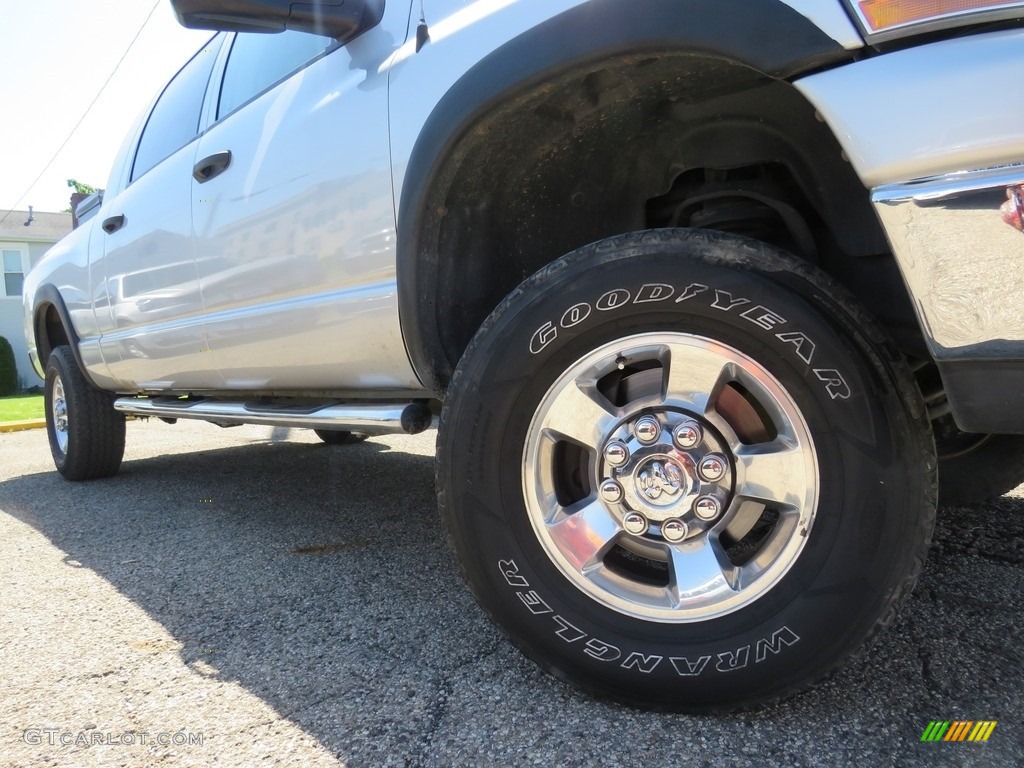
{"points": [[682, 469], [977, 468], [86, 434], [339, 437]]}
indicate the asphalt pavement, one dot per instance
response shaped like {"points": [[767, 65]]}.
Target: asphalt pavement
{"points": [[249, 597]]}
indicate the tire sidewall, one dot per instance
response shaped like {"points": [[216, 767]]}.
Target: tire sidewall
{"points": [[868, 507]]}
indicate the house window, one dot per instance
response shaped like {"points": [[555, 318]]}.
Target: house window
{"points": [[14, 276]]}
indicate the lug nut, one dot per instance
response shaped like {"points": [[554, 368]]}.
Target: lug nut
{"points": [[647, 430], [611, 491], [707, 508], [713, 468], [635, 523], [674, 530], [616, 453], [688, 435]]}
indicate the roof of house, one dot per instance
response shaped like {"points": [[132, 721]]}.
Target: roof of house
{"points": [[44, 226]]}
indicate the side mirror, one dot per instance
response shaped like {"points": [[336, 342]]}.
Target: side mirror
{"points": [[340, 19]]}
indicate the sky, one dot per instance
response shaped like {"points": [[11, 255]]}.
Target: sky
{"points": [[54, 57]]}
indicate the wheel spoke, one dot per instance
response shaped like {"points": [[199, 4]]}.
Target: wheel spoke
{"points": [[694, 375], [772, 472], [770, 549], [578, 414], [585, 535], [696, 571]]}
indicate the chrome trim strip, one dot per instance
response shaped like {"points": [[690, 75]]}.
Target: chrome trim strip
{"points": [[962, 261], [375, 419]]}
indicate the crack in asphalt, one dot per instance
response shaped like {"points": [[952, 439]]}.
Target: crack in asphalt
{"points": [[932, 684], [435, 717], [438, 711]]}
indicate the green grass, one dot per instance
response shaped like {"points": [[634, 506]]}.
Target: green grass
{"points": [[21, 407]]}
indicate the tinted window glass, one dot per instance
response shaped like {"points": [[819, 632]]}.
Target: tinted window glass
{"points": [[259, 61], [174, 121]]}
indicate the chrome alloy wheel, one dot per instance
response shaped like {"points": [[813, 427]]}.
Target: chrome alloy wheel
{"points": [[670, 477], [60, 415]]}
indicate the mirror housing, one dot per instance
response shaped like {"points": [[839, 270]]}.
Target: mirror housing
{"points": [[340, 19]]}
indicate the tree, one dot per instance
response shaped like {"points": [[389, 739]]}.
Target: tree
{"points": [[8, 369], [78, 186]]}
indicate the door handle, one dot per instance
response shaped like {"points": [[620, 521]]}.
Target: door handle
{"points": [[114, 223], [211, 166]]}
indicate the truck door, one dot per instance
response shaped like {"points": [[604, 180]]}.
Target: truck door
{"points": [[154, 336], [294, 224]]}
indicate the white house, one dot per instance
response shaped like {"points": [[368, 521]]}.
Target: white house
{"points": [[24, 237]]}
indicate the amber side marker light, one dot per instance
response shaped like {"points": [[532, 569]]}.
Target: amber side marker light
{"points": [[888, 17]]}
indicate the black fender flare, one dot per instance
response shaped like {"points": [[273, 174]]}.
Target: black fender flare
{"points": [[48, 294], [765, 35]]}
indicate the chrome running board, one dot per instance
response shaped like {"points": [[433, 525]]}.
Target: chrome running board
{"points": [[367, 418]]}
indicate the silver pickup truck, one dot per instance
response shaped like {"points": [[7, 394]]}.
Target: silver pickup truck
{"points": [[715, 300]]}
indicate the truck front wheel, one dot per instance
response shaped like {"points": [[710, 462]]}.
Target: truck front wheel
{"points": [[683, 469]]}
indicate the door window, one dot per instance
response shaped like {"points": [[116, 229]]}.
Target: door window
{"points": [[259, 61], [174, 121]]}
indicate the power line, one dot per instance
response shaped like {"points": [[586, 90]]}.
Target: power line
{"points": [[84, 114]]}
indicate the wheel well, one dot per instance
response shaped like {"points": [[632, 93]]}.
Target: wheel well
{"points": [[636, 142], [50, 332]]}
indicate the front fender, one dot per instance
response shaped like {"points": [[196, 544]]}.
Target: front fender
{"points": [[766, 36]]}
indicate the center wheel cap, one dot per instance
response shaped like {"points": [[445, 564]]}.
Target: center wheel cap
{"points": [[660, 480], [660, 465]]}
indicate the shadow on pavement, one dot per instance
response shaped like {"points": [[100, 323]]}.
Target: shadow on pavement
{"points": [[319, 579]]}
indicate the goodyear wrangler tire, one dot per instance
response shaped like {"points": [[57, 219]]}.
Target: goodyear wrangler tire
{"points": [[682, 469]]}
